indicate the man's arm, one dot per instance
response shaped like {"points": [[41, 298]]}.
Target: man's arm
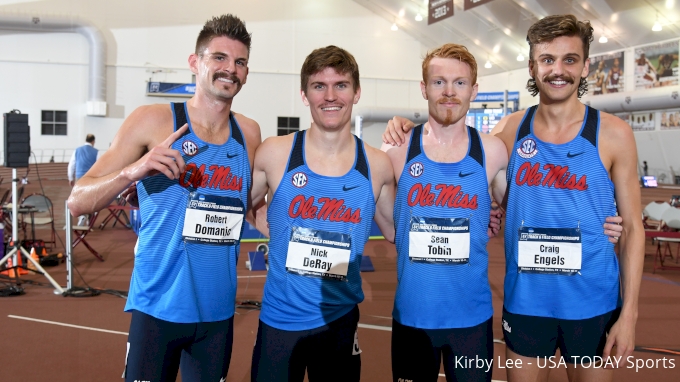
{"points": [[126, 161], [383, 173], [71, 169], [618, 144]]}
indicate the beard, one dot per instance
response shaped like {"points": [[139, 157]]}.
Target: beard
{"points": [[447, 119]]}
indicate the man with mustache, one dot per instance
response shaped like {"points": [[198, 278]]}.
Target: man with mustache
{"points": [[192, 162], [324, 186], [442, 308], [562, 285]]}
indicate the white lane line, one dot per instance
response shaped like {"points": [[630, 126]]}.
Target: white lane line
{"points": [[493, 380], [376, 327], [387, 318], [249, 277], [68, 325]]}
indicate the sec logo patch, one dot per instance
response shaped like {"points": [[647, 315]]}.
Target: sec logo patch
{"points": [[299, 179], [189, 148], [527, 149], [416, 169]]}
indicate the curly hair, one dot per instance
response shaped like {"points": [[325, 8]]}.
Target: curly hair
{"points": [[552, 27]]}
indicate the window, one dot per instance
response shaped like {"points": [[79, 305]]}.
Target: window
{"points": [[287, 125], [53, 122]]}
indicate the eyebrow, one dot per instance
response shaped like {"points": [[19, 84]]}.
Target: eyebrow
{"points": [[226, 55]]}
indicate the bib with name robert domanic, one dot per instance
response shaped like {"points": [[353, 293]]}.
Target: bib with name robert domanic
{"points": [[559, 262], [318, 226], [185, 266], [441, 214]]}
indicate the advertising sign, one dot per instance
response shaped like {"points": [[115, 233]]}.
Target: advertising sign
{"points": [[656, 65]]}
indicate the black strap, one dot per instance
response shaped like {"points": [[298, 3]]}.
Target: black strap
{"points": [[476, 151], [590, 129], [525, 128], [296, 156], [414, 148], [180, 116], [235, 130], [362, 162]]}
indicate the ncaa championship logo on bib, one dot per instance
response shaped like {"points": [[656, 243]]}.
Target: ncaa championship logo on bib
{"points": [[527, 149], [416, 169], [211, 219], [319, 253], [189, 148], [554, 251], [299, 179]]}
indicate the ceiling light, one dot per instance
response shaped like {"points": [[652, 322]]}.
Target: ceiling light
{"points": [[670, 4], [603, 39], [402, 12], [394, 27], [426, 2], [488, 64], [419, 17], [520, 57], [657, 26]]}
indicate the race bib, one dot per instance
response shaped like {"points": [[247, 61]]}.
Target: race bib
{"points": [[554, 251], [439, 240], [211, 219], [317, 253]]}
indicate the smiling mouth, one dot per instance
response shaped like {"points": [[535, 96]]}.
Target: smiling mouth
{"points": [[331, 108]]}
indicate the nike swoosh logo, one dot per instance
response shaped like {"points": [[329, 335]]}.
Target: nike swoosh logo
{"points": [[570, 155], [460, 174], [345, 188], [231, 156]]}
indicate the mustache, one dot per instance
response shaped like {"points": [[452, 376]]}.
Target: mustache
{"points": [[449, 100], [228, 76], [569, 79]]}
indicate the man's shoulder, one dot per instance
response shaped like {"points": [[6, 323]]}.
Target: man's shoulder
{"points": [[614, 127], [378, 159], [276, 146]]}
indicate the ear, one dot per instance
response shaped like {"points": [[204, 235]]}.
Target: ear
{"points": [[193, 62], [245, 78], [422, 90], [304, 97], [531, 68], [584, 72], [357, 95], [475, 89]]}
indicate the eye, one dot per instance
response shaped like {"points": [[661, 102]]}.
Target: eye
{"points": [[548, 60], [460, 82], [342, 86], [438, 82], [241, 63], [570, 60]]}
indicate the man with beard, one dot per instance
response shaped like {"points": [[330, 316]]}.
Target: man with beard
{"points": [[442, 308], [325, 187], [562, 278], [193, 163]]}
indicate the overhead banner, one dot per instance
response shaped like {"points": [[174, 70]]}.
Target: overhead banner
{"points": [[606, 73], [168, 89], [439, 10], [642, 121], [656, 65], [469, 4], [496, 97]]}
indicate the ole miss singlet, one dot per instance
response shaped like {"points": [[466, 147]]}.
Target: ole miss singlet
{"points": [[559, 262], [441, 215], [319, 226], [185, 265]]}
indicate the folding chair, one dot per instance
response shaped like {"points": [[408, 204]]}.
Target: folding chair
{"points": [[651, 215], [116, 211], [82, 231], [43, 216]]}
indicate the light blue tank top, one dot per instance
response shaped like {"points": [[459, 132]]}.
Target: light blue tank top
{"points": [[319, 226], [86, 155], [434, 203], [556, 193], [186, 273]]}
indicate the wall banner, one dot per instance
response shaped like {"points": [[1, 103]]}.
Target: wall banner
{"points": [[605, 73], [656, 65]]}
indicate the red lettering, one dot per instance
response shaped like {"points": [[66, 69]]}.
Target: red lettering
{"points": [[557, 177], [331, 209], [448, 195]]}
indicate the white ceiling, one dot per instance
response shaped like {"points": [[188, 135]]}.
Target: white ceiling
{"points": [[496, 31]]}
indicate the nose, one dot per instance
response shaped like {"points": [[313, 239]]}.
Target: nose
{"points": [[229, 66], [449, 90], [558, 68], [330, 94]]}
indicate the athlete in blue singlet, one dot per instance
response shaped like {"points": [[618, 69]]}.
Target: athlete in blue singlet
{"points": [[325, 187], [193, 163], [570, 167], [442, 309]]}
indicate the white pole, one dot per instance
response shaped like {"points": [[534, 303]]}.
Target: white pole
{"points": [[68, 248], [358, 125]]}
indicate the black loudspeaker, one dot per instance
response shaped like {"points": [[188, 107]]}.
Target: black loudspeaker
{"points": [[17, 139]]}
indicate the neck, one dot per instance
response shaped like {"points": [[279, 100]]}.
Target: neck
{"points": [[330, 141], [214, 112], [560, 113], [445, 134]]}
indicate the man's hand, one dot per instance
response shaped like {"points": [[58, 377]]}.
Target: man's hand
{"points": [[613, 228], [130, 195], [160, 159], [495, 221], [396, 129], [622, 336]]}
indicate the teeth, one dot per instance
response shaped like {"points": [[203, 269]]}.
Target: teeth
{"points": [[334, 108], [558, 82], [222, 79]]}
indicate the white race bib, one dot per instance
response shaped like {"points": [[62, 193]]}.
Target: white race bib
{"points": [[554, 251], [439, 240], [211, 219], [318, 253]]}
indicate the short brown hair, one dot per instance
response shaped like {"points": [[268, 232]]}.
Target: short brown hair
{"points": [[89, 138], [329, 57], [552, 27], [458, 52], [225, 25]]}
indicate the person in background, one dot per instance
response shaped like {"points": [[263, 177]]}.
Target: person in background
{"points": [[81, 161]]}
